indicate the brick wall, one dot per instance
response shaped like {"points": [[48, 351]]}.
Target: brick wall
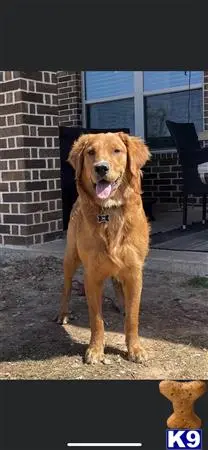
{"points": [[30, 194], [69, 98], [162, 178]]}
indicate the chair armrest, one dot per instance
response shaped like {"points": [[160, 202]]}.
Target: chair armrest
{"points": [[203, 136], [203, 172]]}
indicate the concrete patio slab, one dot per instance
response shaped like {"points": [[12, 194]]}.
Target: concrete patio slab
{"points": [[190, 263], [187, 262]]}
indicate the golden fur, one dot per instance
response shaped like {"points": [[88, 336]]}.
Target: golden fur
{"points": [[116, 248]]}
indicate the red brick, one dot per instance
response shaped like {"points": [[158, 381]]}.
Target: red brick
{"points": [[31, 164], [50, 195], [16, 175], [18, 218], [15, 229], [48, 131], [30, 142], [50, 163], [32, 186], [3, 121], [167, 188], [18, 240], [14, 209], [163, 194], [34, 229], [35, 175], [15, 154], [46, 174], [46, 109], [13, 109], [37, 239], [10, 121], [13, 187], [4, 187], [30, 119], [3, 143], [28, 97], [46, 87], [10, 86], [17, 197], [50, 236], [3, 165], [2, 98], [37, 76], [4, 208], [4, 229], [55, 215], [33, 207]]}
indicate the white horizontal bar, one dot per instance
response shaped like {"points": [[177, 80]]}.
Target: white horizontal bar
{"points": [[104, 444], [109, 99], [172, 90]]}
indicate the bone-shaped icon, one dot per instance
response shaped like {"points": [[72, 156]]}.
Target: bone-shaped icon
{"points": [[183, 395]]}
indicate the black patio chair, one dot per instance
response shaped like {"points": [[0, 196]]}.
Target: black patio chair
{"points": [[190, 156]]}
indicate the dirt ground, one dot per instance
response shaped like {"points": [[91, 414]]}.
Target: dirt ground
{"points": [[173, 326]]}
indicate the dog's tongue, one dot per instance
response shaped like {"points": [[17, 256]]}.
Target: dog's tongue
{"points": [[103, 189]]}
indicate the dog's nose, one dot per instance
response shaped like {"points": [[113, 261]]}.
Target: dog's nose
{"points": [[101, 168]]}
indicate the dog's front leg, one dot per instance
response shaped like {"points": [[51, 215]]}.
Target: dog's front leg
{"points": [[93, 289], [132, 288]]}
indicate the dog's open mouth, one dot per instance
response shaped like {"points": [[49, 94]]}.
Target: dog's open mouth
{"points": [[104, 188]]}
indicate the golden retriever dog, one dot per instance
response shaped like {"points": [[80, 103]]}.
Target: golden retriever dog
{"points": [[108, 232]]}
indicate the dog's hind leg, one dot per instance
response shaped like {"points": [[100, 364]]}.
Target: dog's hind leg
{"points": [[71, 263]]}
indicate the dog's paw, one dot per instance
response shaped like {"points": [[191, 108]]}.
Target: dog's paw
{"points": [[136, 353], [94, 355], [61, 319]]}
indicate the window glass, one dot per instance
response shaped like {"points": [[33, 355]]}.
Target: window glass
{"points": [[157, 80], [114, 114], [103, 84], [172, 106]]}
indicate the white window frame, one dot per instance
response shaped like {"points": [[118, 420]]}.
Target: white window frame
{"points": [[138, 95]]}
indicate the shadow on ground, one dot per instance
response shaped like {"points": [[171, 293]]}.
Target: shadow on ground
{"points": [[173, 320]]}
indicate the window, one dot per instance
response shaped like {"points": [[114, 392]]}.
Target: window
{"points": [[112, 114], [143, 101], [157, 80], [105, 84], [167, 96], [109, 99]]}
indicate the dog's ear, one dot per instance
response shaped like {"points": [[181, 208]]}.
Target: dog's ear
{"points": [[75, 157], [138, 152]]}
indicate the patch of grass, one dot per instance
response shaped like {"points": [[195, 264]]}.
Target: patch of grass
{"points": [[198, 282]]}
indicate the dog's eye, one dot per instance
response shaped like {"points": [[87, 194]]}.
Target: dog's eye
{"points": [[117, 150], [91, 151]]}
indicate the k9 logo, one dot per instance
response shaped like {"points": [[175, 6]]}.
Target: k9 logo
{"points": [[185, 439]]}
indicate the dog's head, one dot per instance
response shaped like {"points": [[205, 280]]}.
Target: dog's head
{"points": [[103, 162]]}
